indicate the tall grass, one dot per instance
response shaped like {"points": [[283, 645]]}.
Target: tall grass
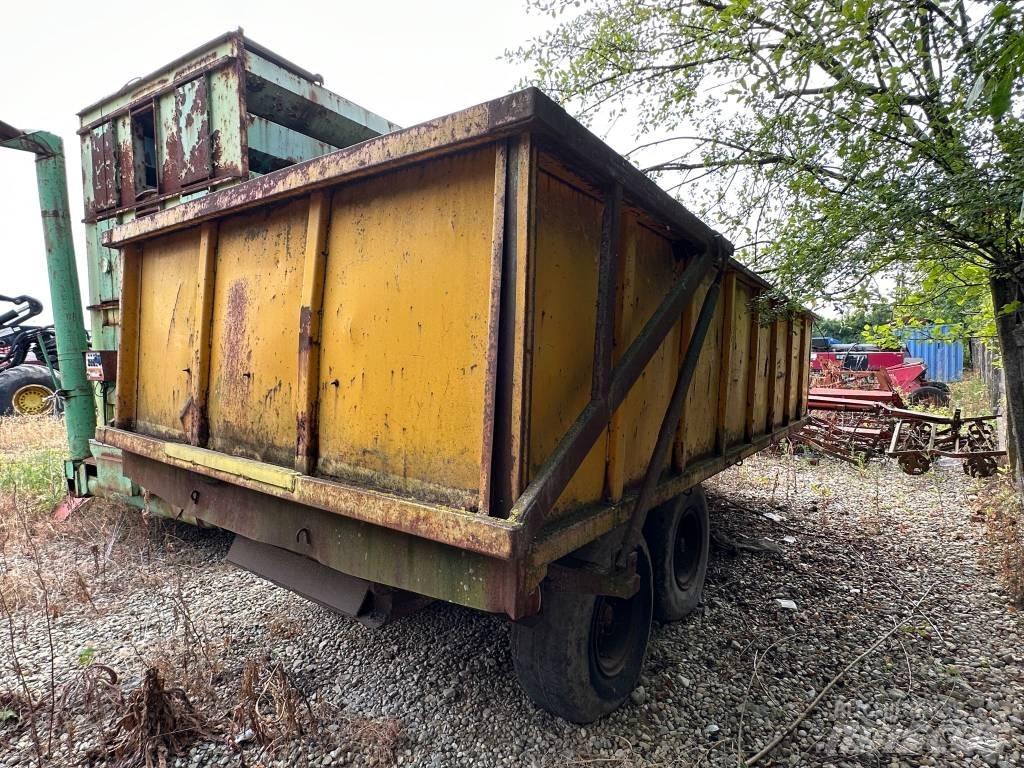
{"points": [[970, 395], [31, 466]]}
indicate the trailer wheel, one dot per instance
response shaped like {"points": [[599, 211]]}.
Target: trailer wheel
{"points": [[678, 536], [26, 390], [930, 396], [583, 655]]}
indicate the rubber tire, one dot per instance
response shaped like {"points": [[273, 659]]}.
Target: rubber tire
{"points": [[15, 378], [939, 397], [553, 660], [671, 601]]}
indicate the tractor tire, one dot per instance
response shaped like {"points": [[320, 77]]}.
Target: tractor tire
{"points": [[23, 390], [678, 535], [582, 657], [929, 396]]}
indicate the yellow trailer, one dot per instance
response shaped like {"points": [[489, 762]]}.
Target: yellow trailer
{"points": [[483, 360]]}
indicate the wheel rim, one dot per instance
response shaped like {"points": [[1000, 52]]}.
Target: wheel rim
{"points": [[688, 545], [33, 400], [612, 626], [914, 463]]}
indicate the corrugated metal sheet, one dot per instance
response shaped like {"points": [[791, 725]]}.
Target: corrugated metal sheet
{"points": [[943, 355]]}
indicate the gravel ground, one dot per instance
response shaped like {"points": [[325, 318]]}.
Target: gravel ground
{"points": [[862, 551]]}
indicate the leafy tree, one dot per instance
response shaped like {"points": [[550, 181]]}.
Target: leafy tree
{"points": [[850, 326], [836, 141]]}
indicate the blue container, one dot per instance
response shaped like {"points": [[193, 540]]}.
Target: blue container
{"points": [[943, 355]]}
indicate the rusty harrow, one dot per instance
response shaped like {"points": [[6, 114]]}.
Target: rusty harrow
{"points": [[856, 430]]}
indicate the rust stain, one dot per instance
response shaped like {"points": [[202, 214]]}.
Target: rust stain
{"points": [[236, 357], [195, 422], [184, 165], [306, 424], [126, 157], [194, 65], [104, 176]]}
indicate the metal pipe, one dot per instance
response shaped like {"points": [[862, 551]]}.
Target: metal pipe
{"points": [[65, 297]]}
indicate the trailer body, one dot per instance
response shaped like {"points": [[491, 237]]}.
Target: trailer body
{"points": [[375, 359]]}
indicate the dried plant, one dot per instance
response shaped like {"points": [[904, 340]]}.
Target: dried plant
{"points": [[270, 705], [93, 688], [153, 724], [378, 737]]}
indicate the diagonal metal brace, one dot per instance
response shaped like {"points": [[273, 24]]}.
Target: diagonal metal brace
{"points": [[667, 432], [543, 491]]}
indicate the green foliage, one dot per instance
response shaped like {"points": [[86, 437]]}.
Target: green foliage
{"points": [[86, 656], [36, 475], [850, 327], [971, 396], [841, 145]]}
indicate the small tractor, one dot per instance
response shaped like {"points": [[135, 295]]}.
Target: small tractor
{"points": [[29, 381]]}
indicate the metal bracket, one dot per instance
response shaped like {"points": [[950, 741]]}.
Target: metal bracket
{"points": [[570, 575]]}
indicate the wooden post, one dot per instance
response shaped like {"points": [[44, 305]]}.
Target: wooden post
{"points": [[308, 379], [128, 349]]}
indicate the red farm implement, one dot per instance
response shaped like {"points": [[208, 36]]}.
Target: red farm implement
{"points": [[862, 416]]}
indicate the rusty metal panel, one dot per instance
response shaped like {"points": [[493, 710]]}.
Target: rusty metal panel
{"points": [[377, 554], [291, 100], [167, 314], [185, 136], [406, 331], [103, 166], [475, 126], [568, 236], [227, 117], [656, 270], [125, 160], [255, 331]]}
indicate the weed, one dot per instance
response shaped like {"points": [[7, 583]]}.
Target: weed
{"points": [[37, 475], [154, 722], [970, 395], [1004, 512], [378, 737], [270, 705]]}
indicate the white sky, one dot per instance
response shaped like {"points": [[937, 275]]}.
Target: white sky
{"points": [[407, 60]]}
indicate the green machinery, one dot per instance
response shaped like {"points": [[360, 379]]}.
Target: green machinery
{"points": [[51, 180], [224, 113]]}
